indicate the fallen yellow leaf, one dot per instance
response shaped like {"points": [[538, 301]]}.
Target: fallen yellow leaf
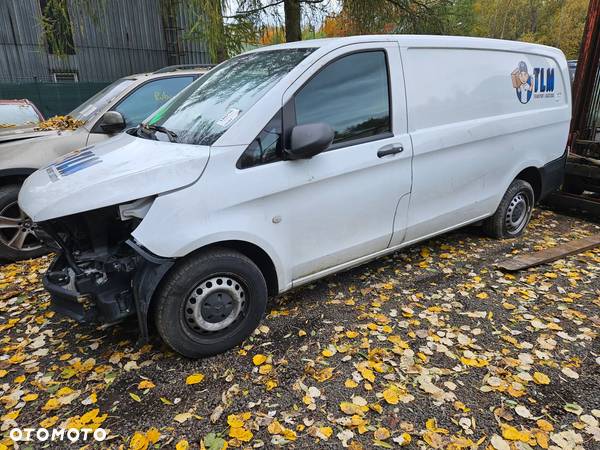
{"points": [[182, 445], [258, 359], [241, 434], [194, 378], [391, 396], [544, 425], [139, 441], [146, 384], [541, 378]]}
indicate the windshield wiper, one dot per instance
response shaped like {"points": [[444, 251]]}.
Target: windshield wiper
{"points": [[154, 128]]}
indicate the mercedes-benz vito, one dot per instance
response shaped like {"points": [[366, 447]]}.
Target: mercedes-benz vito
{"points": [[292, 162]]}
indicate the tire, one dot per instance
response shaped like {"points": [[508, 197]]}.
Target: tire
{"points": [[513, 214], [210, 302], [17, 240]]}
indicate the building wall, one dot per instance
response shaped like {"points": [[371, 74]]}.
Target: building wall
{"points": [[124, 37]]}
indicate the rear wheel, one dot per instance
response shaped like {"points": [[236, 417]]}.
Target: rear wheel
{"points": [[17, 239], [210, 302], [513, 213]]}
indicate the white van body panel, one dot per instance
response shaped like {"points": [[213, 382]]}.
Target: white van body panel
{"points": [[305, 236], [471, 137], [466, 133]]}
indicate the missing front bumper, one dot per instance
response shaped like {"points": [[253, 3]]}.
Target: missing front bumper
{"points": [[87, 297]]}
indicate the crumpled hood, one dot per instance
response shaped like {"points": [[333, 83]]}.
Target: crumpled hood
{"points": [[119, 170]]}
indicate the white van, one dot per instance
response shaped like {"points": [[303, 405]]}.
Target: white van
{"points": [[292, 162]]}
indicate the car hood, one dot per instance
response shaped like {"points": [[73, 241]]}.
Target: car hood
{"points": [[23, 132], [119, 170]]}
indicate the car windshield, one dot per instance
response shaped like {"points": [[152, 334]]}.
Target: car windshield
{"points": [[18, 114], [91, 106], [203, 111]]}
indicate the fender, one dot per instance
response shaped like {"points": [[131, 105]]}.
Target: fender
{"points": [[142, 235], [146, 279], [511, 177]]}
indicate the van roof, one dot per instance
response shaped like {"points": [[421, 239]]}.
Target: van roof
{"points": [[420, 41]]}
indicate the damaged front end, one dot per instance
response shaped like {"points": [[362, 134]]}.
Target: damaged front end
{"points": [[101, 275]]}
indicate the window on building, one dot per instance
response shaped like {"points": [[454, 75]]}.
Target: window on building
{"points": [[149, 97], [65, 77], [56, 24], [351, 95]]}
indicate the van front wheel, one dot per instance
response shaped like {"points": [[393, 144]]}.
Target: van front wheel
{"points": [[514, 212], [210, 302]]}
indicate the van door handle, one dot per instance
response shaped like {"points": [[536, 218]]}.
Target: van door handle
{"points": [[390, 151]]}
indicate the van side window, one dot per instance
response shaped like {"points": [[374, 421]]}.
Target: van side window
{"points": [[266, 147], [351, 94]]}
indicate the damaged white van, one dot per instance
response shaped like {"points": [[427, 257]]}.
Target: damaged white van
{"points": [[292, 162]]}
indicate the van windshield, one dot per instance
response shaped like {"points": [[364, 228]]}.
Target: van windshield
{"points": [[203, 111]]}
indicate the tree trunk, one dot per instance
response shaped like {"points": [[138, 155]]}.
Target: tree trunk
{"points": [[221, 50], [291, 9]]}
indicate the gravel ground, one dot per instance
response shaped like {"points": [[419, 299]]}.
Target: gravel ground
{"points": [[431, 347]]}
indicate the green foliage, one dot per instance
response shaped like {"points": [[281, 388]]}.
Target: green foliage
{"points": [[229, 26], [56, 26], [558, 23], [222, 38], [396, 16], [213, 441], [56, 23]]}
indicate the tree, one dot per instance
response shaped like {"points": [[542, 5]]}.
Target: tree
{"points": [[391, 16], [226, 25], [293, 30], [558, 23]]}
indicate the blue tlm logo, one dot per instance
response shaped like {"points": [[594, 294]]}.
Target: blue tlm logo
{"points": [[544, 79]]}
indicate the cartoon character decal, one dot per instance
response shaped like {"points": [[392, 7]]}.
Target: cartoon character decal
{"points": [[522, 82]]}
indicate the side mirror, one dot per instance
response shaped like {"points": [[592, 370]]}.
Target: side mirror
{"points": [[309, 140], [111, 122]]}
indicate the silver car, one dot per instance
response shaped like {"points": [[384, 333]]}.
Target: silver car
{"points": [[121, 105]]}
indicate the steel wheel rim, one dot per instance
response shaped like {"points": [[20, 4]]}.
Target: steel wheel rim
{"points": [[16, 229], [517, 213], [215, 305]]}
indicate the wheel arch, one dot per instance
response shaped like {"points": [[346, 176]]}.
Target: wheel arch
{"points": [[14, 176], [533, 176], [256, 254], [155, 268]]}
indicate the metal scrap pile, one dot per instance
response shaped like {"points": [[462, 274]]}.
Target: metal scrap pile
{"points": [[59, 123]]}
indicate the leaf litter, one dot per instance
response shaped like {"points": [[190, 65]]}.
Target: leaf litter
{"points": [[431, 347]]}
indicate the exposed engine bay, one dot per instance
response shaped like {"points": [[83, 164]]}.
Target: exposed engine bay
{"points": [[100, 275]]}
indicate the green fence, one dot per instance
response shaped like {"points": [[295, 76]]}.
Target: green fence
{"points": [[52, 98]]}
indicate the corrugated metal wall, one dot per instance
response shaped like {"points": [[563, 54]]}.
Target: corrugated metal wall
{"points": [[125, 37]]}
